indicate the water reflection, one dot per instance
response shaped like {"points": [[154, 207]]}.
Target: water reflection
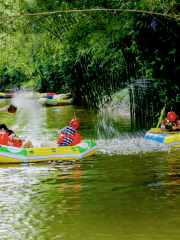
{"points": [[34, 196]]}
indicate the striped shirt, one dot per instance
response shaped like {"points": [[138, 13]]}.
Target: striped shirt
{"points": [[66, 140]]}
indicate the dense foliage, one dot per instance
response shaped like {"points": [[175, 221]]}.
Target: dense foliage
{"points": [[95, 53]]}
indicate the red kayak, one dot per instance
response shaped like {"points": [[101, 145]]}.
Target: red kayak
{"points": [[9, 95]]}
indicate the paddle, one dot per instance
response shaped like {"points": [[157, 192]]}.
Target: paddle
{"points": [[162, 113]]}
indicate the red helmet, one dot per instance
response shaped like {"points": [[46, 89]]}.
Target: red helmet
{"points": [[171, 116], [74, 123]]}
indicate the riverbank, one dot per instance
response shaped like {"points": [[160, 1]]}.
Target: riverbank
{"points": [[118, 102]]}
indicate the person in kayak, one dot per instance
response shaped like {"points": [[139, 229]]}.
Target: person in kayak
{"points": [[10, 108], [7, 137], [18, 89], [68, 136], [171, 123]]}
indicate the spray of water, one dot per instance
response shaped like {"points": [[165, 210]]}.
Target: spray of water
{"points": [[128, 145], [29, 118], [113, 139]]}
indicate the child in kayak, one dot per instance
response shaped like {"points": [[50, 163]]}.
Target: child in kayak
{"points": [[7, 137], [68, 136], [171, 123]]}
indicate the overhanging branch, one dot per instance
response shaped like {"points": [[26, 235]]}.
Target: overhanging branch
{"points": [[175, 16]]}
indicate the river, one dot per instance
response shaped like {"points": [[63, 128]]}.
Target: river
{"points": [[130, 190]]}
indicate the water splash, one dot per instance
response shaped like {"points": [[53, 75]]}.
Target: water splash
{"points": [[116, 137], [128, 145], [29, 116]]}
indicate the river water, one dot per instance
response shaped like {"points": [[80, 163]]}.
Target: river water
{"points": [[130, 190]]}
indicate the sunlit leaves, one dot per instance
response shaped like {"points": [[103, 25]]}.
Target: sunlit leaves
{"points": [[87, 52]]}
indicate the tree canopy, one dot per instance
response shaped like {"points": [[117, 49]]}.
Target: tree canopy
{"points": [[92, 49]]}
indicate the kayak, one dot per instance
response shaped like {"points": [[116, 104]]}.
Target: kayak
{"points": [[2, 95], [10, 154], [9, 95], [6, 95], [51, 102], [47, 95], [167, 138]]}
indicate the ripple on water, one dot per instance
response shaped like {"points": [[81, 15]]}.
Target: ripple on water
{"points": [[17, 186]]}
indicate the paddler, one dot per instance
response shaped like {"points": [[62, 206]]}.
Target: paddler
{"points": [[8, 138], [18, 90], [68, 136], [171, 123], [10, 108]]}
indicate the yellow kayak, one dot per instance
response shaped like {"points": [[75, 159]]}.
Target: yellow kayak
{"points": [[167, 138], [51, 102], [2, 95]]}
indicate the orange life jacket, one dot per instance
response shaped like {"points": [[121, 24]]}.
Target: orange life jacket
{"points": [[5, 140], [76, 138]]}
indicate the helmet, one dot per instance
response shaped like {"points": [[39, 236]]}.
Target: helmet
{"points": [[12, 109], [74, 123], [171, 116]]}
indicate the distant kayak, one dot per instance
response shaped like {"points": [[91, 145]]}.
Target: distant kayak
{"points": [[6, 95], [47, 95], [52, 102], [9, 95]]}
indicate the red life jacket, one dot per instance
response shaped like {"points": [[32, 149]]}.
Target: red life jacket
{"points": [[5, 140], [76, 138], [1, 133], [177, 122]]}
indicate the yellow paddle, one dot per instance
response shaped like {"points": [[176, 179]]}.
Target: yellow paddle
{"points": [[162, 113]]}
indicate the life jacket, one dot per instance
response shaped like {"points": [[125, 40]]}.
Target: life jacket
{"points": [[76, 138], [168, 125], [177, 122], [5, 140]]}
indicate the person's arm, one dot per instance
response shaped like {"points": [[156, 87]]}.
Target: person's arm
{"points": [[176, 127], [13, 137], [163, 127], [163, 122], [4, 108], [60, 132], [16, 139]]}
